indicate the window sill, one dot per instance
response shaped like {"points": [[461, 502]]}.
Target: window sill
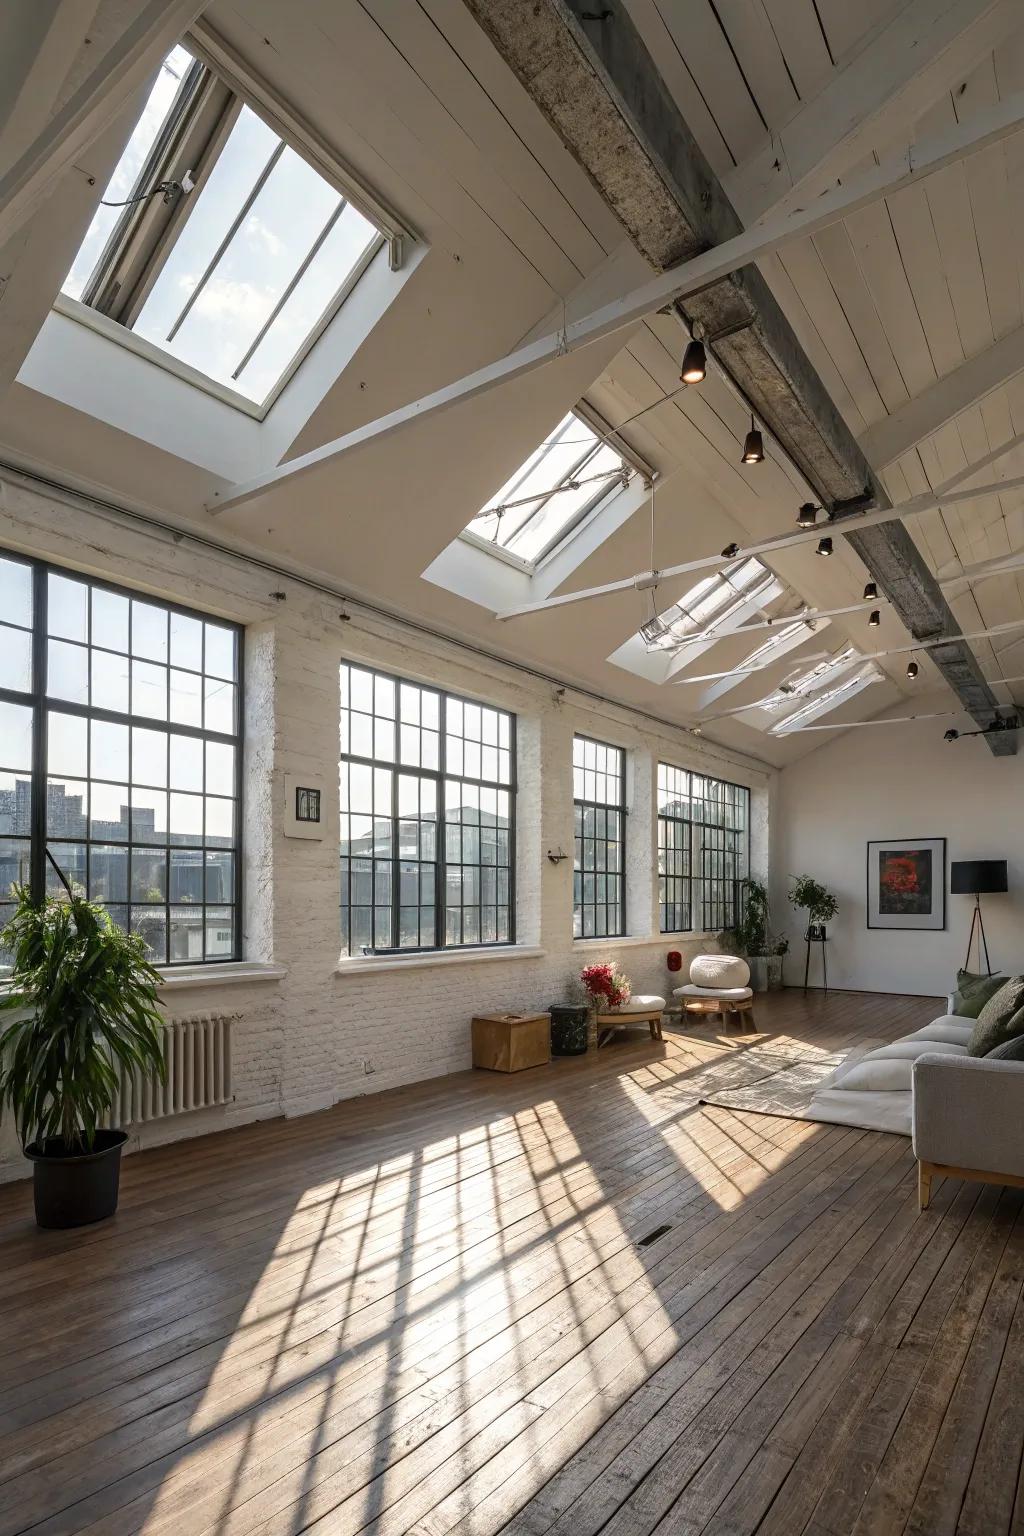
{"points": [[359, 965], [622, 941], [236, 973]]}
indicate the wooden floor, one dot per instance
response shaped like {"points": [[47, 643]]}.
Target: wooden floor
{"points": [[434, 1311]]}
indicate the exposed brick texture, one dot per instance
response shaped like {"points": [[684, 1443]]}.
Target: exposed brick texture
{"points": [[324, 1033]]}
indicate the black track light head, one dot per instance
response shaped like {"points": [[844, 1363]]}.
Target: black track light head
{"points": [[807, 515], [753, 446], [824, 547], [730, 551], [870, 592], [951, 735], [874, 618], [695, 364], [912, 669]]}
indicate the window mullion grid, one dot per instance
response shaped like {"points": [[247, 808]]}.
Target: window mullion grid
{"points": [[290, 287], [441, 832], [233, 229], [37, 818]]}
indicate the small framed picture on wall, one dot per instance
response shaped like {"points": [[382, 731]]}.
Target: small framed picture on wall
{"points": [[907, 883]]}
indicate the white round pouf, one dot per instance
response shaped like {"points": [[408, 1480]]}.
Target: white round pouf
{"points": [[718, 971]]}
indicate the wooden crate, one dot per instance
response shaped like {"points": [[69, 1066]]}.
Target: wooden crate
{"points": [[509, 1042]]}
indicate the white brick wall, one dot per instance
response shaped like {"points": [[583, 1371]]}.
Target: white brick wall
{"points": [[322, 1033]]}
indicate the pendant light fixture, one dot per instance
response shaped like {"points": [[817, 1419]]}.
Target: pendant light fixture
{"points": [[874, 618], [695, 364], [912, 669], [753, 446], [824, 547], [870, 592], [730, 551], [807, 515]]}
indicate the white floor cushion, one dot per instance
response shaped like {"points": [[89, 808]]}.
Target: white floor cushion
{"points": [[875, 1111], [953, 1030], [719, 971], [641, 1002], [725, 994]]}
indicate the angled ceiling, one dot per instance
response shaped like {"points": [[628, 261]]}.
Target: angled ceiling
{"points": [[907, 311]]}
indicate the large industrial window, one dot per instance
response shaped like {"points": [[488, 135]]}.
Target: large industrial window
{"points": [[703, 850], [215, 241], [427, 817], [120, 758], [599, 806]]}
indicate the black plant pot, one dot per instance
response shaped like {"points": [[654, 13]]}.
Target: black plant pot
{"points": [[77, 1188], [569, 1030]]}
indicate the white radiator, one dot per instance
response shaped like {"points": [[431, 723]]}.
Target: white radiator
{"points": [[197, 1051]]}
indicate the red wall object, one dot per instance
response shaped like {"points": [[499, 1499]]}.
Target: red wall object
{"points": [[675, 960]]}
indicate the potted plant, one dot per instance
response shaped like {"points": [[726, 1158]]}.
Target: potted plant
{"points": [[606, 988], [818, 902], [751, 937], [778, 946], [85, 1002]]}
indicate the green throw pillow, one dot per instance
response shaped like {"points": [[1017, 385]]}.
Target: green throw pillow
{"points": [[1010, 1050], [998, 1020], [973, 992]]}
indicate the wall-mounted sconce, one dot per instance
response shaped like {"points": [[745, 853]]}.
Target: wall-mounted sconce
{"points": [[556, 857]]}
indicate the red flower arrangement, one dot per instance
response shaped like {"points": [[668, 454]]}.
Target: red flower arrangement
{"points": [[608, 988]]}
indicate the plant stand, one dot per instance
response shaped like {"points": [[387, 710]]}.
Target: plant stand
{"points": [[816, 936]]}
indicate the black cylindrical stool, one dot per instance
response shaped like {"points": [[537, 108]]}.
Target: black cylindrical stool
{"points": [[569, 1030]]}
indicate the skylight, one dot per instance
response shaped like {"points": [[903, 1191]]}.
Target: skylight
{"points": [[822, 703], [226, 249], [712, 601], [562, 480]]}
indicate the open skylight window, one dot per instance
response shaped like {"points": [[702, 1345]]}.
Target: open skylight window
{"points": [[550, 495], [822, 703], [223, 248], [712, 601]]}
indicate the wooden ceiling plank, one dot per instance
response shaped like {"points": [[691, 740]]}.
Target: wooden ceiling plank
{"points": [[874, 95], [803, 43], [987, 187], [922, 261], [792, 297], [840, 262], [757, 50], [878, 256], [701, 42]]}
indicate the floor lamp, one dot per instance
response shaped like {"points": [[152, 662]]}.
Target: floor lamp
{"points": [[977, 878]]}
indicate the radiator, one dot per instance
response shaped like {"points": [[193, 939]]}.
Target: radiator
{"points": [[197, 1051]]}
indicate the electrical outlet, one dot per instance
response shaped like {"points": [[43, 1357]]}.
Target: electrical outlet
{"points": [[368, 1066]]}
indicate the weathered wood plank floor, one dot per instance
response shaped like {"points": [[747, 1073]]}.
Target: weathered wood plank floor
{"points": [[431, 1311]]}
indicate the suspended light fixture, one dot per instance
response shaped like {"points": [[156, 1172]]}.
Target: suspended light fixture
{"points": [[870, 592], [874, 619], [824, 547], [807, 516], [695, 364], [912, 669], [753, 446]]}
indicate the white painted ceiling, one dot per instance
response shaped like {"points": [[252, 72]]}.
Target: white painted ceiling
{"points": [[514, 240]]}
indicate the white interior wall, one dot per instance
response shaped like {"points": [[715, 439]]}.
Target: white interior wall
{"points": [[326, 1030], [897, 781]]}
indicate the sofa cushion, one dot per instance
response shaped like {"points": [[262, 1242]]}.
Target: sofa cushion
{"points": [[890, 1067], [719, 971], [973, 992], [1010, 1050], [997, 1020], [956, 1031]]}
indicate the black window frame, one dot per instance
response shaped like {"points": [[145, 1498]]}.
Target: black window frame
{"points": [[41, 704], [581, 805], [703, 838], [439, 776]]}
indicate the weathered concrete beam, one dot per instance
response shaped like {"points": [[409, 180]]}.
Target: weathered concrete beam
{"points": [[591, 75]]}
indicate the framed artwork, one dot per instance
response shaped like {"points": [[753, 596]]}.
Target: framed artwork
{"points": [[907, 883]]}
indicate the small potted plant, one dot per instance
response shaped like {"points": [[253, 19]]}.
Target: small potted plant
{"points": [[778, 947], [818, 902], [85, 1003]]}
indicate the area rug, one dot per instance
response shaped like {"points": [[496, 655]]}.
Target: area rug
{"points": [[785, 1078]]}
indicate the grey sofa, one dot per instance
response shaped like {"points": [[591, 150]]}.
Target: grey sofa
{"points": [[968, 1120]]}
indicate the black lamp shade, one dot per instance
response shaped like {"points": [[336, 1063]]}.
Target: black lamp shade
{"points": [[977, 877]]}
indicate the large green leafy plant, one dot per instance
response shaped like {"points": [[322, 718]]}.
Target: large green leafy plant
{"points": [[86, 1003], [816, 899]]}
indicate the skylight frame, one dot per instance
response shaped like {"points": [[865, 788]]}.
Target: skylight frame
{"points": [[230, 74], [605, 437], [823, 703], [707, 628]]}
